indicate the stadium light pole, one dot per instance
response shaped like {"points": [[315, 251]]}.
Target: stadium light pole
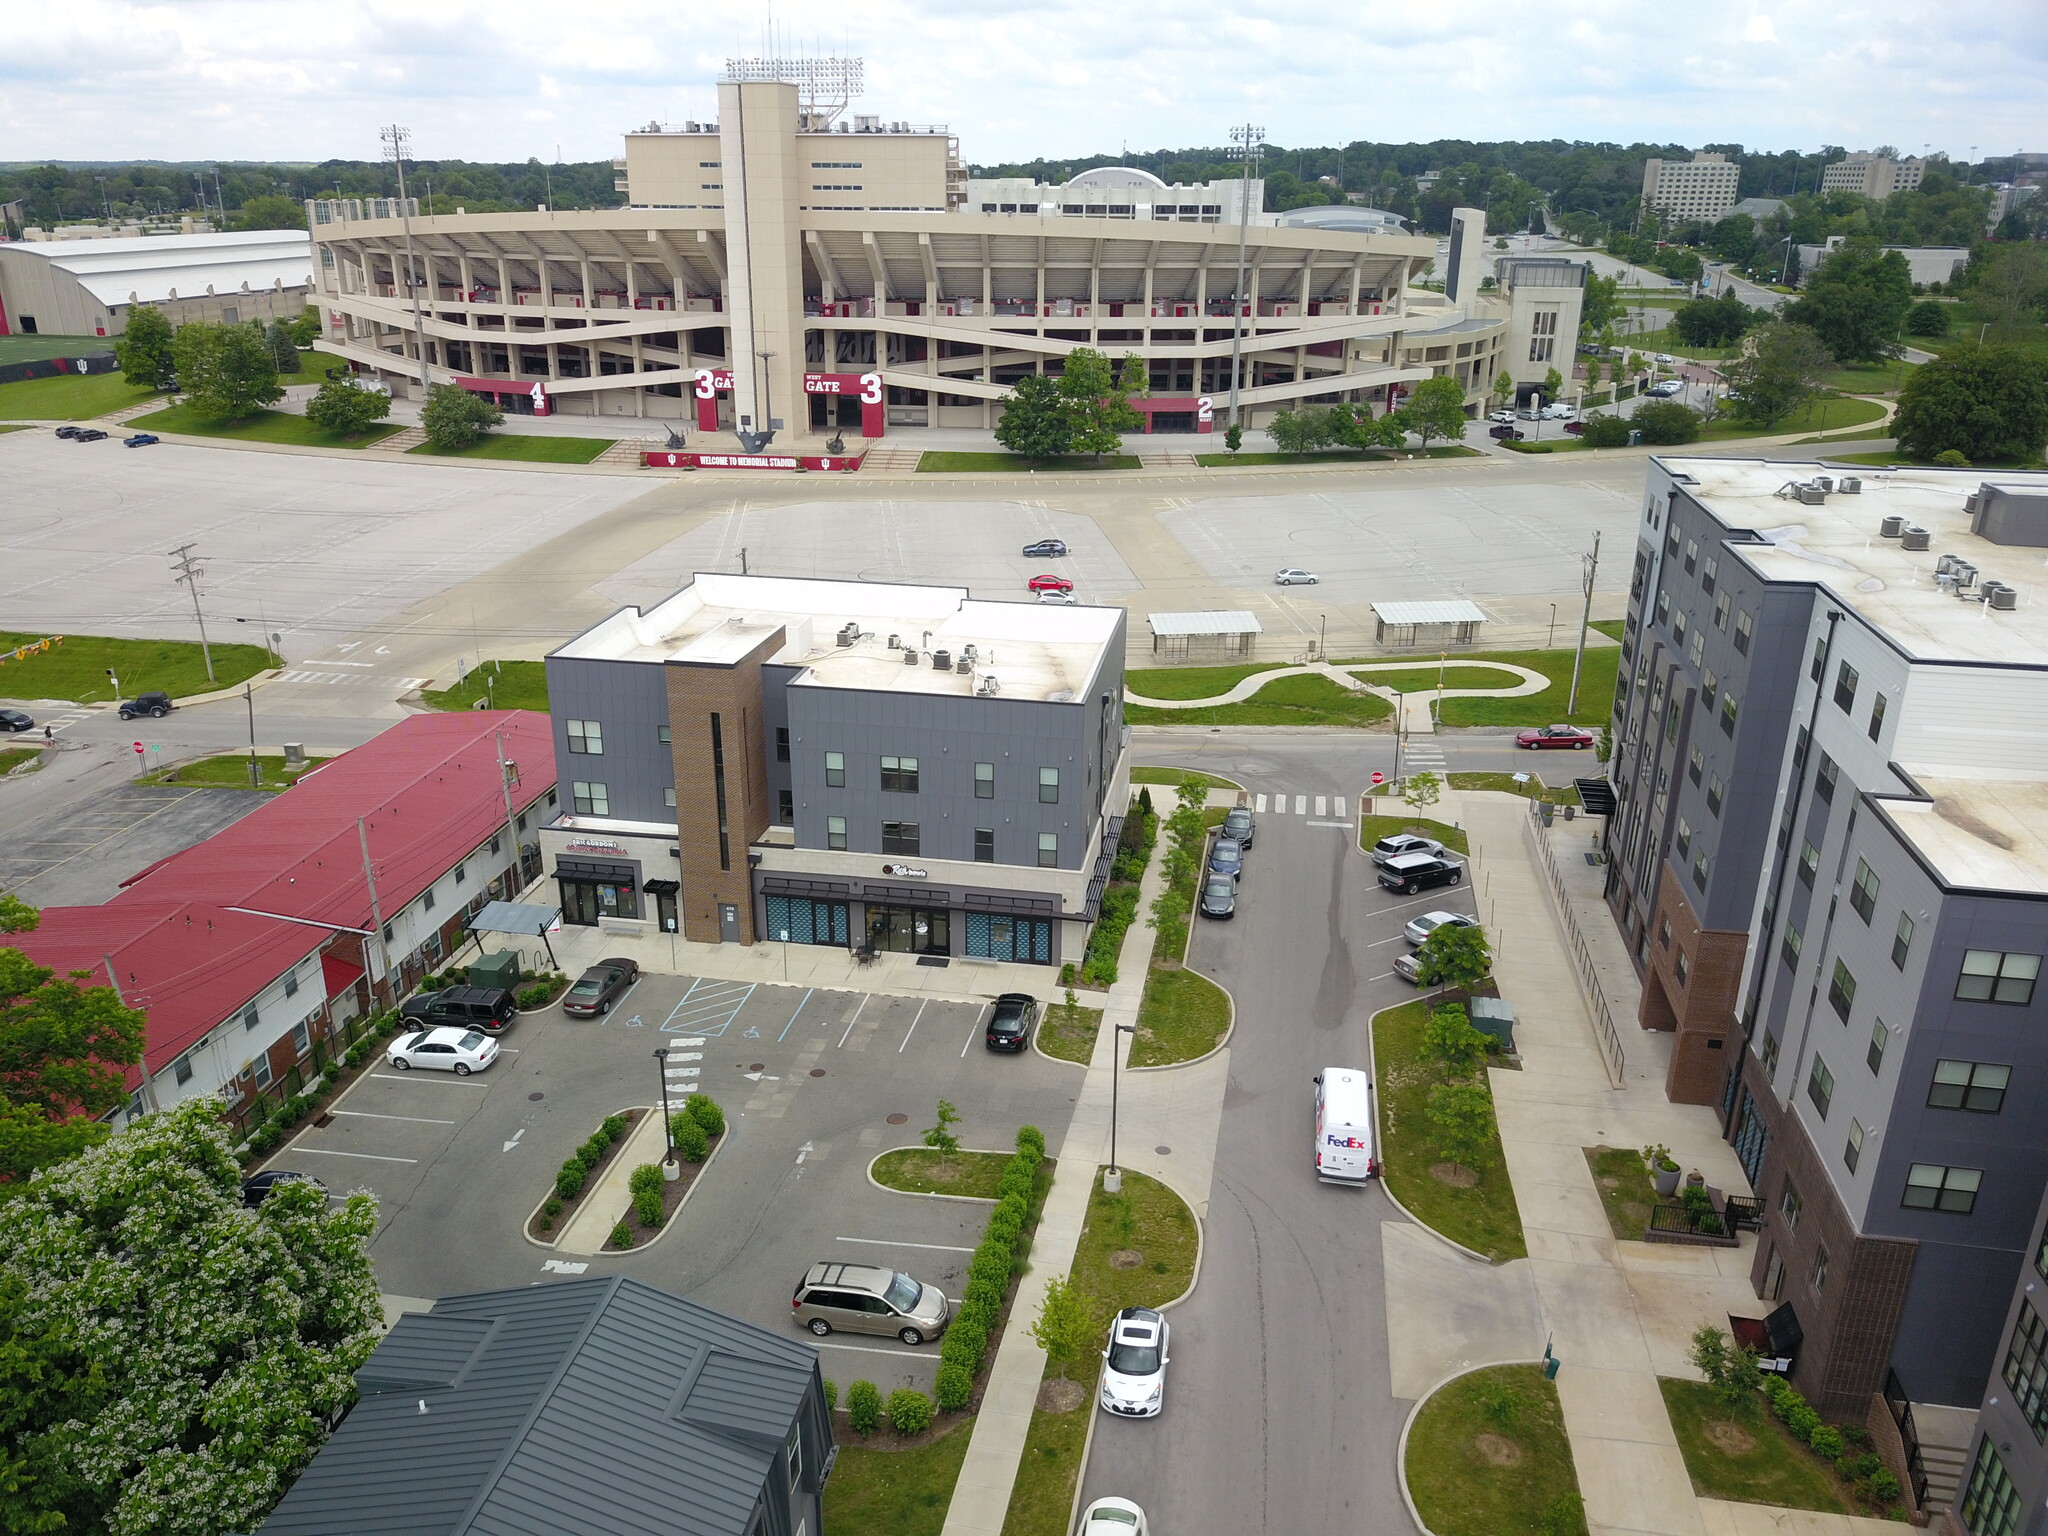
{"points": [[1248, 143], [397, 140]]}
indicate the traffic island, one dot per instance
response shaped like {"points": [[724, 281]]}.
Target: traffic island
{"points": [[1486, 1453], [959, 1175]]}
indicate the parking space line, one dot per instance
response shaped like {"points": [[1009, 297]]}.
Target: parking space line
{"points": [[1343, 826], [1337, 805], [1301, 805], [974, 1031], [606, 1018], [372, 1157], [1322, 806], [913, 1025], [792, 1018], [884, 1242], [865, 1349], [364, 1114], [856, 1017], [448, 1079]]}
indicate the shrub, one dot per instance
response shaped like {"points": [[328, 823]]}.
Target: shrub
{"points": [[910, 1411], [1858, 1465], [691, 1142], [1952, 458], [831, 1394], [1802, 1421], [1016, 1180], [1826, 1442], [648, 1207], [552, 1206], [1005, 1226], [955, 1386], [622, 1236], [646, 1180], [613, 1127], [700, 1108], [1666, 421], [863, 1407], [1031, 1138], [1606, 432], [1564, 1516], [1884, 1487], [991, 1262], [982, 1305], [966, 1342], [569, 1182]]}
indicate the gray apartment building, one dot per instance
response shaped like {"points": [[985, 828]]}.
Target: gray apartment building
{"points": [[841, 762], [2004, 1488], [1830, 859]]}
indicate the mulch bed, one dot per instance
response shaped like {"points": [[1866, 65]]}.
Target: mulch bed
{"points": [[672, 1192], [555, 1224]]}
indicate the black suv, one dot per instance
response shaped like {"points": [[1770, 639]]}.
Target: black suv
{"points": [[155, 705], [1009, 1027], [1409, 873], [490, 1009]]}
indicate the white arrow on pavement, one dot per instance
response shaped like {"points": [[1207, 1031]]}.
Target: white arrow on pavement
{"points": [[515, 1139], [804, 1151], [563, 1267]]}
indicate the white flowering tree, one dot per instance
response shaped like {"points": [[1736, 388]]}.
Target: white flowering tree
{"points": [[170, 1361]]}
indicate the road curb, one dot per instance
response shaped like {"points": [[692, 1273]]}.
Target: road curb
{"points": [[932, 1194], [268, 675], [1379, 1127], [1407, 1424]]}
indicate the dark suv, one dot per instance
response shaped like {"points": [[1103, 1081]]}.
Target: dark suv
{"points": [[490, 1009], [155, 705], [1009, 1027], [1409, 873]]}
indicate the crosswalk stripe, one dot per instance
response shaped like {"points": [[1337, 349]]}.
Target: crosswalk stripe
{"points": [[1322, 805], [1301, 805], [1337, 805], [1259, 804]]}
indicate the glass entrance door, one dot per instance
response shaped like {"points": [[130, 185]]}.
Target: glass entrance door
{"points": [[911, 930]]}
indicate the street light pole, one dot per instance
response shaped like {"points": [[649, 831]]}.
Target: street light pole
{"points": [[1113, 1176], [1591, 565], [668, 1140], [255, 774]]}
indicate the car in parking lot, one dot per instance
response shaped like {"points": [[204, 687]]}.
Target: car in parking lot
{"points": [[1059, 597], [1219, 896], [1238, 826], [1575, 427], [1390, 848], [1134, 1365], [68, 430], [490, 1009], [260, 1186], [1422, 927], [1669, 389], [140, 440], [1506, 416], [1112, 1517], [865, 1298], [1503, 434], [450, 1049], [155, 705], [1226, 858], [1048, 548], [1666, 357], [1557, 413], [15, 720], [601, 986], [1413, 873], [1554, 736], [1292, 576], [88, 435], [1529, 413], [1047, 582], [1009, 1027]]}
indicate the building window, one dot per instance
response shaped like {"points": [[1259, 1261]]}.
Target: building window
{"points": [[1863, 894], [1698, 763], [427, 900], [1820, 1086], [1790, 948], [1709, 686], [497, 841], [291, 983], [1663, 606], [1709, 569], [1820, 657], [1991, 977], [1678, 629], [1790, 1205], [1820, 1269], [1845, 687], [1683, 842], [984, 845], [1841, 991], [835, 770], [1769, 1054], [1700, 865], [1991, 1505], [664, 735], [785, 807], [1802, 742], [1048, 850], [2026, 1369], [1664, 933], [1728, 713], [1824, 777], [1932, 1187], [1809, 863], [181, 1069], [668, 798], [1876, 716], [984, 781], [900, 837], [1698, 647], [1048, 786], [782, 743], [590, 799], [1880, 1037], [1978, 1086], [302, 1039], [263, 1071], [586, 738], [1784, 832], [1692, 555], [1683, 968], [718, 791], [1743, 630], [1714, 795], [1721, 612], [899, 775], [1902, 941], [835, 831], [461, 874], [1852, 1150]]}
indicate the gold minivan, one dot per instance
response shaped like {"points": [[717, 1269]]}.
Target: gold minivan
{"points": [[864, 1298]]}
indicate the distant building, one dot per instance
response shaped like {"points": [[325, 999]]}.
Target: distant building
{"points": [[1703, 187], [65, 287], [1759, 208], [186, 224], [1546, 296], [2008, 196], [1348, 216], [1925, 263], [1872, 176], [1119, 192]]}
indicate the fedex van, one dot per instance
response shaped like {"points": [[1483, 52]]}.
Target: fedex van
{"points": [[1344, 1126]]}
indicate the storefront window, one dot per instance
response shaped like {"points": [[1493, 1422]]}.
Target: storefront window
{"points": [[800, 920], [911, 930], [993, 936]]}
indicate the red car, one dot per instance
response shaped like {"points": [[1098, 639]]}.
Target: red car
{"points": [[1555, 736], [1050, 584]]}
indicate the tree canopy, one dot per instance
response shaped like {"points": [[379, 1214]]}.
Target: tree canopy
{"points": [[64, 1053], [269, 211], [226, 371], [1778, 370], [1085, 408], [1713, 322], [453, 417], [1982, 402], [344, 406], [1435, 409], [1856, 302], [144, 348]]}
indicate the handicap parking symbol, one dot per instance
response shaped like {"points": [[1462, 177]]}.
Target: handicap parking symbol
{"points": [[636, 1022], [752, 1033]]}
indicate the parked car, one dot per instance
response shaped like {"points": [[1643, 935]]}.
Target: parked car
{"points": [[88, 435], [1049, 583], [1504, 416], [68, 431], [155, 705], [1575, 427], [1557, 413], [1555, 736], [1134, 1365], [1059, 597], [1048, 548], [1529, 413], [457, 1050], [1422, 927], [1413, 873], [1503, 434], [1388, 849], [1291, 577], [140, 440], [601, 986], [865, 1298], [1238, 826], [490, 1009], [1666, 357], [258, 1187], [1112, 1517], [1219, 896], [1226, 857], [1009, 1027], [1408, 967], [15, 720], [1669, 389]]}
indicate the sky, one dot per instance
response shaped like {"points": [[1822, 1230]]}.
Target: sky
{"points": [[289, 80]]}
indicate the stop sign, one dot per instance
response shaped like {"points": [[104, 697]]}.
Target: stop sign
{"points": [[1379, 778]]}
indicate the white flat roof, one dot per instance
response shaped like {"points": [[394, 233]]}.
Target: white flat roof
{"points": [[1033, 651], [151, 268], [1219, 621], [1837, 545], [1452, 610], [1979, 834]]}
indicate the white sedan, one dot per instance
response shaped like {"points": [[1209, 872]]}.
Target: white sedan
{"points": [[1112, 1517], [448, 1048], [1294, 578], [1420, 928]]}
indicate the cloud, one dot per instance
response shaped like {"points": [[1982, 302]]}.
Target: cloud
{"points": [[1759, 30]]}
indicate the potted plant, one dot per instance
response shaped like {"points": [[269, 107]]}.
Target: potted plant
{"points": [[1663, 1169]]}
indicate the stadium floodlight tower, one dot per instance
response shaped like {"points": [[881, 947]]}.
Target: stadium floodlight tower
{"points": [[1247, 144], [825, 86]]}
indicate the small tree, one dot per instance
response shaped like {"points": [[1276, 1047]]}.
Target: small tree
{"points": [[1453, 956], [1299, 431], [1730, 1368], [1422, 790], [306, 329], [454, 418], [1504, 387], [1462, 1114], [1096, 400], [940, 1137], [1780, 367], [1450, 1038], [144, 348], [343, 406], [284, 350], [226, 371], [1035, 424], [1065, 1327], [1435, 409], [1552, 385], [1233, 437]]}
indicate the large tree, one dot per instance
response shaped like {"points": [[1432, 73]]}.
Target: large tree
{"points": [[1981, 402], [1435, 409], [271, 212], [2006, 283], [1601, 305], [1096, 399], [344, 406], [144, 348], [1713, 322], [1035, 422], [1780, 367], [226, 371], [172, 1361], [1856, 302], [64, 1053], [454, 417]]}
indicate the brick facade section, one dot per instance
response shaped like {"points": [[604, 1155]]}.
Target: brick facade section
{"points": [[1851, 1325], [696, 692], [1701, 1010]]}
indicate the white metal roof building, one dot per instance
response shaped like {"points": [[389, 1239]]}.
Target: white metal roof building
{"points": [[1451, 621], [1216, 632], [86, 287]]}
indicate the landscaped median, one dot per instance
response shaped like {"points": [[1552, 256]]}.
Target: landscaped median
{"points": [[1182, 1014], [524, 448], [230, 770], [260, 426], [1486, 1454], [1305, 698], [1372, 827], [494, 684]]}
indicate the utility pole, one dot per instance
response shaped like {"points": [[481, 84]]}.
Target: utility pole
{"points": [[249, 698], [398, 140], [186, 572], [505, 772], [1250, 143], [149, 1097], [376, 913], [1589, 569]]}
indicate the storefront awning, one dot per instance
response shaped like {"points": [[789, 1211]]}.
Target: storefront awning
{"points": [[662, 887], [515, 917]]}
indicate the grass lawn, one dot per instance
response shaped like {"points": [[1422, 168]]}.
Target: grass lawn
{"points": [[875, 1491], [1772, 1468], [313, 368], [69, 397], [1305, 698], [259, 427], [1488, 1456], [77, 669], [508, 684], [1596, 690], [526, 449], [231, 771], [33, 349], [1535, 789], [923, 1171], [1069, 1033], [1452, 675], [12, 758], [1009, 463], [1625, 1189], [1372, 828], [1482, 1216], [1829, 413], [1181, 1016], [1147, 1220], [1176, 776], [1895, 459], [1191, 682]]}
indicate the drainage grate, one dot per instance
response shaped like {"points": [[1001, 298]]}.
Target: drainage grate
{"points": [[899, 1119], [536, 1097]]}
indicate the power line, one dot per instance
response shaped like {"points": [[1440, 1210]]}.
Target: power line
{"points": [[185, 572]]}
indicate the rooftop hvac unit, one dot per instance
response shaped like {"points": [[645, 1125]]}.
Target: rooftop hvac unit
{"points": [[988, 687], [895, 642], [910, 655], [963, 666], [1892, 527], [1850, 485], [1810, 496], [1823, 482], [942, 661], [1946, 564], [1914, 538], [1965, 574], [1970, 501], [848, 634], [968, 652], [2004, 597]]}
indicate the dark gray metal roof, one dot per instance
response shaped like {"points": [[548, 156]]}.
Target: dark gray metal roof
{"points": [[598, 1407]]}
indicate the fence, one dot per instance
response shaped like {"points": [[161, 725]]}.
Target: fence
{"points": [[1605, 1035], [1901, 1408]]}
